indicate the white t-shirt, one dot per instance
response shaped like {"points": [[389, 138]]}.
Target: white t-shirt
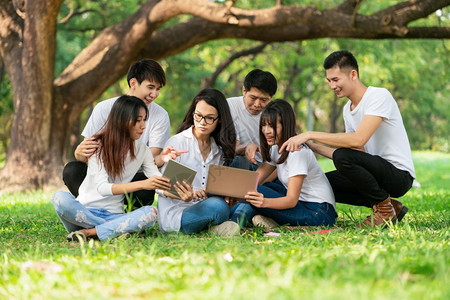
{"points": [[96, 189], [390, 140], [246, 124], [316, 187], [170, 210], [157, 126]]}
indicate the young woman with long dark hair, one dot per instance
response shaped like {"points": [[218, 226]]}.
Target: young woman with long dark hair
{"points": [[98, 211], [306, 197], [208, 133]]}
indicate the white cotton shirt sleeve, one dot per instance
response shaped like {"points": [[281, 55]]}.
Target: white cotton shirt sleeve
{"points": [[96, 189], [315, 187], [148, 165], [98, 117], [245, 124], [157, 130], [390, 140], [170, 210], [101, 178]]}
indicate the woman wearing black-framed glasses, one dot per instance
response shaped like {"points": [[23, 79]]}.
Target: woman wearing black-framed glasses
{"points": [[208, 133]]}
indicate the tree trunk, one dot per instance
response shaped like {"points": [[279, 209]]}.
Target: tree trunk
{"points": [[35, 150]]}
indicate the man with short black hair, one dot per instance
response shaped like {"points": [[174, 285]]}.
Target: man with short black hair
{"points": [[145, 79], [373, 158], [259, 88]]}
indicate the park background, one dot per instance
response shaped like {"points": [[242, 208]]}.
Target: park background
{"points": [[407, 261]]}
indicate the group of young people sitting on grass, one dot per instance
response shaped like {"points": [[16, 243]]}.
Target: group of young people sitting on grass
{"points": [[127, 145]]}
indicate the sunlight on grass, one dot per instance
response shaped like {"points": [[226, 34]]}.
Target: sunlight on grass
{"points": [[407, 261]]}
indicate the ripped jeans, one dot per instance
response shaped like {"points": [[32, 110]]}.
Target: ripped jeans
{"points": [[76, 216]]}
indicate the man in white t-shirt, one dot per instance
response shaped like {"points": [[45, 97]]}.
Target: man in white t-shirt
{"points": [[145, 79], [259, 88], [373, 158]]}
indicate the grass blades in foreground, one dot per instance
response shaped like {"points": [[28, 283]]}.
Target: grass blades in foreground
{"points": [[407, 261]]}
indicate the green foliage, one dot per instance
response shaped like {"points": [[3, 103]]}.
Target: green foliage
{"points": [[415, 71], [6, 114], [407, 261], [80, 21]]}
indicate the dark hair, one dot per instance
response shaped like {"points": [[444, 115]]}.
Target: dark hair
{"points": [[224, 134], [147, 69], [262, 80], [344, 59], [115, 140], [281, 110]]}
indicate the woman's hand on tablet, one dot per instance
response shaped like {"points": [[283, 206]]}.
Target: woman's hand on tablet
{"points": [[157, 182], [185, 190], [256, 199]]}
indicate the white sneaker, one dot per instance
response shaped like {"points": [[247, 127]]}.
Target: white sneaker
{"points": [[267, 223], [226, 229]]}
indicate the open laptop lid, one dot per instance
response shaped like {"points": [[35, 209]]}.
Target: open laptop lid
{"points": [[227, 181], [176, 171]]}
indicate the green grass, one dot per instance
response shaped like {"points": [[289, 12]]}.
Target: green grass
{"points": [[407, 261]]}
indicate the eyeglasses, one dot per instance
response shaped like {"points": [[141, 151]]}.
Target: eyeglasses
{"points": [[208, 120]]}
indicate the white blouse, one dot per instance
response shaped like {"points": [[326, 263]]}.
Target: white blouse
{"points": [[96, 189], [316, 187], [169, 209]]}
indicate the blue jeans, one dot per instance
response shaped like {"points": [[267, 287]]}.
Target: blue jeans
{"points": [[241, 162], [212, 211], [76, 216], [303, 214], [75, 171], [242, 213]]}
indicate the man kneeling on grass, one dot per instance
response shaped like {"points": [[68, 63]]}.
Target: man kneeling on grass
{"points": [[373, 157]]}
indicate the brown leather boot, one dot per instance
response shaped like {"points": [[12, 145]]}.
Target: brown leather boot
{"points": [[382, 212], [399, 208]]}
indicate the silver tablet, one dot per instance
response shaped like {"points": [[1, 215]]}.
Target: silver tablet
{"points": [[176, 171]]}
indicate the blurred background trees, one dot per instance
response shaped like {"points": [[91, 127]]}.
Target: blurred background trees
{"points": [[414, 70]]}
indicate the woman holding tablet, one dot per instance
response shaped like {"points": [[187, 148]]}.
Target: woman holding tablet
{"points": [[208, 133], [98, 211], [307, 199]]}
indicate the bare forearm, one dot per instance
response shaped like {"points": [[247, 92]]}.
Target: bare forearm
{"points": [[130, 187], [264, 171], [158, 161], [271, 177], [280, 203], [322, 149], [338, 140]]}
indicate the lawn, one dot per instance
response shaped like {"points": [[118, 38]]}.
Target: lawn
{"points": [[407, 261]]}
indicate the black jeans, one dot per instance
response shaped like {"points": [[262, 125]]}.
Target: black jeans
{"points": [[75, 171], [363, 179]]}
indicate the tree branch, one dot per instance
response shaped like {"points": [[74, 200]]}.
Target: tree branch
{"points": [[109, 55], [209, 82], [408, 11]]}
